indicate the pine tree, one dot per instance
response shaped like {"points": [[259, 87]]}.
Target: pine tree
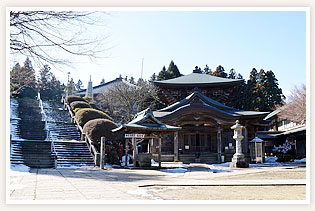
{"points": [[79, 84], [132, 80], [232, 74], [207, 70], [162, 74], [173, 71], [23, 80], [219, 72], [153, 77], [272, 93]]}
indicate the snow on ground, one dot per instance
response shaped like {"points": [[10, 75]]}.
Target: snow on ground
{"points": [[174, 170], [19, 169], [144, 193], [76, 167], [303, 160], [16, 173], [123, 160]]}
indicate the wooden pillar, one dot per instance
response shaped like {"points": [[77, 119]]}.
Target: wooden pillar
{"points": [[102, 158], [134, 152], [160, 150], [150, 144], [126, 153], [176, 146], [245, 145], [219, 143]]}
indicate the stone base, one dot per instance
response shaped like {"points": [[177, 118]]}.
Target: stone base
{"points": [[239, 164], [239, 161]]}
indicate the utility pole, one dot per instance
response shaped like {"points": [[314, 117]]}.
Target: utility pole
{"points": [[142, 68]]}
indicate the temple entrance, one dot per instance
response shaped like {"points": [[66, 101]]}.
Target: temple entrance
{"points": [[198, 142]]}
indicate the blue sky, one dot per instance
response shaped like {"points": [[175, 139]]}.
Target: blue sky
{"points": [[271, 40]]}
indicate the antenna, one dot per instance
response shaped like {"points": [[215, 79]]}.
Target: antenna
{"points": [[142, 68]]}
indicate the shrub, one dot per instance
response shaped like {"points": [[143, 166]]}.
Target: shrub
{"points": [[86, 114], [72, 98], [76, 110], [79, 104], [97, 128], [88, 99], [284, 157], [93, 105]]}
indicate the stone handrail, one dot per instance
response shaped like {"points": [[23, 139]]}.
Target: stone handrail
{"points": [[52, 148]]}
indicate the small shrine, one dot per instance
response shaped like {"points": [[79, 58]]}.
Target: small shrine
{"points": [[145, 126]]}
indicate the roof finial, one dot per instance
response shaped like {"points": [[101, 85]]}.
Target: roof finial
{"points": [[90, 78]]}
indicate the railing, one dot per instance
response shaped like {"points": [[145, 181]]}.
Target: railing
{"points": [[52, 146], [84, 137]]}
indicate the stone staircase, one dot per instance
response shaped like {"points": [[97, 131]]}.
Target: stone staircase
{"points": [[204, 158], [32, 153], [73, 153], [31, 146]]}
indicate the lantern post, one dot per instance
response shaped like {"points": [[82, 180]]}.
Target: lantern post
{"points": [[238, 160]]}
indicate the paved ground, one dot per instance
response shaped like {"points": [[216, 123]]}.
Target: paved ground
{"points": [[193, 182]]}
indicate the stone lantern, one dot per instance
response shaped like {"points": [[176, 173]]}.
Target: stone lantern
{"points": [[238, 160], [257, 150]]}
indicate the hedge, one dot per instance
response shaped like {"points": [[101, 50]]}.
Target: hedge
{"points": [[71, 98], [79, 104], [97, 128], [86, 114], [284, 158]]}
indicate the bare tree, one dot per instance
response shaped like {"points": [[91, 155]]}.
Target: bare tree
{"points": [[123, 100], [295, 109], [47, 36]]}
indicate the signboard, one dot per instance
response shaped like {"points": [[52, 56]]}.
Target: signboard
{"points": [[134, 135]]}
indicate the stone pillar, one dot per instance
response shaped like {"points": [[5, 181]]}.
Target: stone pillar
{"points": [[219, 143], [176, 146], [102, 158], [238, 160]]}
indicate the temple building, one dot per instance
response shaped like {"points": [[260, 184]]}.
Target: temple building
{"points": [[206, 134], [220, 89]]}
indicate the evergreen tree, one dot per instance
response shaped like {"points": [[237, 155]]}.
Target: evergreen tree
{"points": [[207, 70], [239, 76], [23, 80], [173, 71], [232, 74], [260, 93], [162, 74], [49, 87], [132, 80], [153, 77], [78, 86], [219, 72], [272, 93]]}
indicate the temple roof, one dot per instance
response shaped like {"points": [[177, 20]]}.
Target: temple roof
{"points": [[199, 100], [197, 78], [103, 87], [145, 120]]}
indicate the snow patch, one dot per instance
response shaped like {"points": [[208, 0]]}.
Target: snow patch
{"points": [[271, 159], [303, 160], [19, 168], [144, 193]]}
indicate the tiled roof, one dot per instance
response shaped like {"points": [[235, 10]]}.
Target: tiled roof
{"points": [[207, 103], [197, 78]]}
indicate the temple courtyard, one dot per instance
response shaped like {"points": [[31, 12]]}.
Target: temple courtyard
{"points": [[175, 181]]}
